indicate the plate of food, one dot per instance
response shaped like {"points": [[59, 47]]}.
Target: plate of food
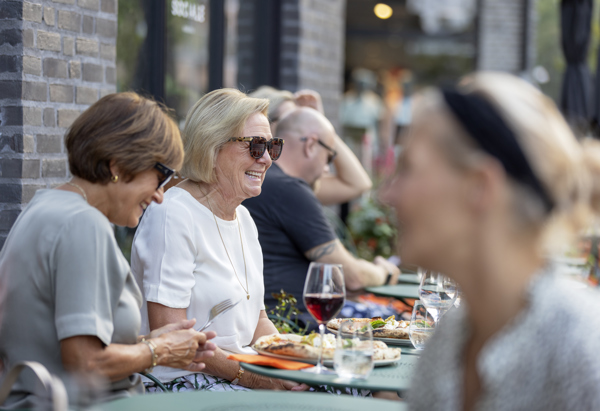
{"points": [[389, 331], [306, 349]]}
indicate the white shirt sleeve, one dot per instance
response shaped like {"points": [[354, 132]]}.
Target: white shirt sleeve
{"points": [[164, 254]]}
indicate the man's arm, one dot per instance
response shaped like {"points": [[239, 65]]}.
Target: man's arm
{"points": [[358, 273], [350, 180]]}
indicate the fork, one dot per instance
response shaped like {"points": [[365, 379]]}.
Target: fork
{"points": [[216, 311]]}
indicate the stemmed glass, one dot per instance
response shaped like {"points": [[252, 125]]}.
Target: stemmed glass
{"points": [[324, 296], [437, 293]]}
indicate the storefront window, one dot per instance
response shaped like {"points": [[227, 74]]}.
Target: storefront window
{"points": [[186, 77], [133, 30]]}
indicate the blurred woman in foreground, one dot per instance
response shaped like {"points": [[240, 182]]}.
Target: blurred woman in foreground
{"points": [[72, 303], [490, 178]]}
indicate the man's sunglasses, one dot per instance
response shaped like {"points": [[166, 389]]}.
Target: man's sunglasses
{"points": [[332, 152], [167, 174], [258, 145]]}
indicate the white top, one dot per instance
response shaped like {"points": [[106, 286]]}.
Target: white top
{"points": [[546, 358], [179, 261]]}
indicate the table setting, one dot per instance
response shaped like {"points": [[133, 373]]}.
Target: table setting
{"points": [[349, 356]]}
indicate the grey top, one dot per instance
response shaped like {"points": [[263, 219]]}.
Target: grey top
{"points": [[65, 276], [546, 358]]}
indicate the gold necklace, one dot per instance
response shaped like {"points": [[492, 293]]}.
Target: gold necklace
{"points": [[224, 246], [80, 189]]}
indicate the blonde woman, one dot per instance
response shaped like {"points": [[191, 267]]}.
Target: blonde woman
{"points": [[201, 246], [488, 173]]}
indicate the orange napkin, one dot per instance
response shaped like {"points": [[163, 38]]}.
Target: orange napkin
{"points": [[269, 361]]}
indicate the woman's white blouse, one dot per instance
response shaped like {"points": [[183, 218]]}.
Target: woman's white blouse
{"points": [[179, 261]]}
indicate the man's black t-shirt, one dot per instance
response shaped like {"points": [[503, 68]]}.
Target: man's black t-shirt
{"points": [[290, 222]]}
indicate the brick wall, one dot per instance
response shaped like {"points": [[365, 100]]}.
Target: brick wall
{"points": [[312, 44], [56, 58], [501, 35]]}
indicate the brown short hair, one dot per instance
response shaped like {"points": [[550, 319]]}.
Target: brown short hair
{"points": [[132, 131], [214, 119]]}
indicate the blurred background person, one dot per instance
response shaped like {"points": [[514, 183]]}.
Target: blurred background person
{"points": [[200, 246], [491, 176], [72, 303], [293, 229], [350, 179]]}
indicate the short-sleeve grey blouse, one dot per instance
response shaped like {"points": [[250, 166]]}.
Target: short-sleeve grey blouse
{"points": [[65, 276]]}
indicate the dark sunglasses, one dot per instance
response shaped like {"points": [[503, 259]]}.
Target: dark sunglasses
{"points": [[167, 174], [332, 153], [258, 145]]}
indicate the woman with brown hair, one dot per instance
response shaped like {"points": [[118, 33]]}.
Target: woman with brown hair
{"points": [[491, 178], [72, 303]]}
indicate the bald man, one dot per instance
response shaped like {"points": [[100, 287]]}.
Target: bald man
{"points": [[292, 228]]}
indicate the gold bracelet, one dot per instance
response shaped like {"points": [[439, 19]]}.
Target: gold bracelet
{"points": [[238, 377], [152, 348]]}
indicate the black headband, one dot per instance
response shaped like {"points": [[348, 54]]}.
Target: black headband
{"points": [[496, 138]]}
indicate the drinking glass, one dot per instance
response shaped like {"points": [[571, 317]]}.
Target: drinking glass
{"points": [[422, 325], [353, 356], [437, 293], [324, 296]]}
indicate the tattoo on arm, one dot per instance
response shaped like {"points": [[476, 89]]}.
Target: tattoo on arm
{"points": [[321, 251]]}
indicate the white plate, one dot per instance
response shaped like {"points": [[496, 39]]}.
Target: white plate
{"points": [[389, 341], [328, 363]]}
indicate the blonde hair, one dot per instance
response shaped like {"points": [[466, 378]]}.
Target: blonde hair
{"points": [[214, 119], [276, 99], [564, 166]]}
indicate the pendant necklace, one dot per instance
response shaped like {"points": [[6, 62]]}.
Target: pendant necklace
{"points": [[224, 246], [79, 188]]}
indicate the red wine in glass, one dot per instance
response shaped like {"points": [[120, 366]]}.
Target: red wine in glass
{"points": [[324, 295], [324, 307]]}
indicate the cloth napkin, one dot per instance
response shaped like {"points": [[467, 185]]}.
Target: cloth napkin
{"points": [[269, 361]]}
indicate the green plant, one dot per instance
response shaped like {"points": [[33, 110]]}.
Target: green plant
{"points": [[372, 228], [285, 314]]}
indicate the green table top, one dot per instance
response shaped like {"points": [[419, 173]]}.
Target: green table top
{"points": [[396, 291], [389, 378], [409, 278], [244, 401]]}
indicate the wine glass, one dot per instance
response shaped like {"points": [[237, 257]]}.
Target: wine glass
{"points": [[437, 293], [422, 325], [324, 296], [353, 356]]}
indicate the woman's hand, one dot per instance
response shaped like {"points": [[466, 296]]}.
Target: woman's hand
{"points": [[259, 382], [180, 346], [309, 98]]}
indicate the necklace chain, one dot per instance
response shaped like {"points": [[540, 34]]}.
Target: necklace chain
{"points": [[224, 246], [80, 189]]}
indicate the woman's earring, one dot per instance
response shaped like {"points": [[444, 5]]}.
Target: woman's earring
{"points": [[114, 179]]}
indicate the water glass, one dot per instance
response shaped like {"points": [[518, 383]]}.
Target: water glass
{"points": [[353, 356], [437, 293], [422, 325]]}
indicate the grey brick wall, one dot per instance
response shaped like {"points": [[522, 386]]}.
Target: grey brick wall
{"points": [[56, 58], [501, 35], [312, 49]]}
